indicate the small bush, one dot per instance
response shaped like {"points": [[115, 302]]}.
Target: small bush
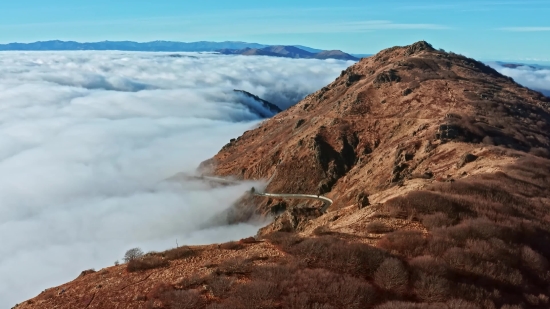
{"points": [[220, 286], [248, 240], [319, 288], [409, 305], [232, 245], [392, 275], [182, 299], [145, 263], [429, 265], [234, 266], [436, 220], [377, 227], [261, 294], [159, 290], [284, 240], [322, 230], [407, 243], [132, 254], [533, 260], [337, 254], [437, 246], [431, 288], [275, 273], [178, 253]]}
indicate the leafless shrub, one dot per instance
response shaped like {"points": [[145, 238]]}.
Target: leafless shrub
{"points": [[462, 304], [409, 305], [436, 220], [87, 272], [432, 288], [283, 239], [533, 260], [377, 227], [512, 307], [132, 254], [429, 265], [145, 263], [311, 287], [392, 275], [229, 303], [183, 299], [178, 253], [159, 290], [232, 245], [494, 250], [275, 273], [220, 286], [322, 230], [422, 202], [234, 266], [337, 254], [407, 243], [248, 240], [540, 152], [534, 300], [437, 246], [260, 294], [480, 228], [192, 281]]}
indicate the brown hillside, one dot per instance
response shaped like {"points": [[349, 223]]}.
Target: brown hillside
{"points": [[392, 121], [437, 166]]}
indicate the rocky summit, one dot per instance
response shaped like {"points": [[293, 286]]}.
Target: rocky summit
{"points": [[438, 169]]}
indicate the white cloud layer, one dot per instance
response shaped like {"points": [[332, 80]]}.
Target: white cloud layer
{"points": [[88, 137], [533, 76]]}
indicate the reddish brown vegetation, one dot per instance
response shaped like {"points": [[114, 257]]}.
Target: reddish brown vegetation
{"points": [[147, 262], [488, 238]]}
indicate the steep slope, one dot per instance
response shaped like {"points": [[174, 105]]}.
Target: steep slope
{"points": [[437, 167], [386, 124]]}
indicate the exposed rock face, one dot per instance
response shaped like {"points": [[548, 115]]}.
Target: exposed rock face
{"points": [[406, 113]]}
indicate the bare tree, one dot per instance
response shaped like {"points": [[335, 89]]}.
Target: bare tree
{"points": [[132, 254]]}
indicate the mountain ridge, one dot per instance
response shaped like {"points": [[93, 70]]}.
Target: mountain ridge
{"points": [[439, 170], [288, 52], [158, 46]]}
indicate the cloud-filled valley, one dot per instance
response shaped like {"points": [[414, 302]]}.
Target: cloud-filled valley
{"points": [[533, 76], [87, 139]]}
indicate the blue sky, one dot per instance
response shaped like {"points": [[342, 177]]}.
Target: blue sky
{"points": [[488, 30]]}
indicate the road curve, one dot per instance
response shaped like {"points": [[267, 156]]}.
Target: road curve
{"points": [[326, 201]]}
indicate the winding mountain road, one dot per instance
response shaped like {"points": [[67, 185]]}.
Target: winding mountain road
{"points": [[326, 201]]}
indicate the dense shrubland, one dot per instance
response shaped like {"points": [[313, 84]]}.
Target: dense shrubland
{"points": [[487, 245]]}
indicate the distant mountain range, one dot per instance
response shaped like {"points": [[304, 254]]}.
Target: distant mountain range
{"points": [[170, 46], [288, 52]]}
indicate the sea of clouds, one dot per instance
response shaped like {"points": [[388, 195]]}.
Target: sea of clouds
{"points": [[87, 138], [533, 76]]}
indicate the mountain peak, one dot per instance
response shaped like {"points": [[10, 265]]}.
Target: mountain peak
{"points": [[398, 102]]}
